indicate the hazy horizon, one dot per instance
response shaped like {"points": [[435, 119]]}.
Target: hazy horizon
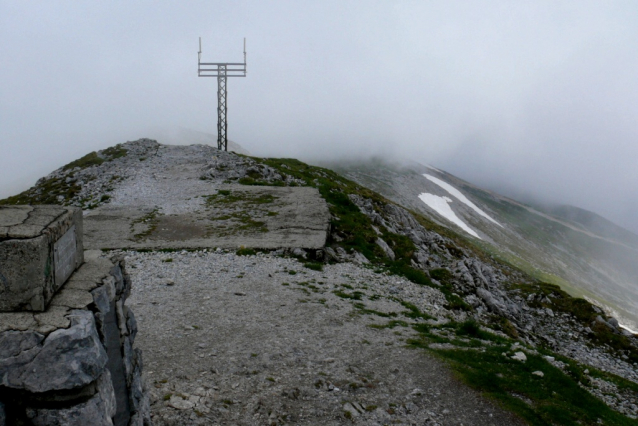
{"points": [[534, 99]]}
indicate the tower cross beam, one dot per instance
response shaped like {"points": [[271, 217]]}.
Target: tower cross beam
{"points": [[221, 70]]}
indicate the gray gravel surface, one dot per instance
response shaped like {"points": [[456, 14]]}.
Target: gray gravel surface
{"points": [[261, 340]]}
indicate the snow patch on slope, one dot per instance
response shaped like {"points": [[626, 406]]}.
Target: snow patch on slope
{"points": [[441, 206], [628, 329], [462, 198], [433, 168]]}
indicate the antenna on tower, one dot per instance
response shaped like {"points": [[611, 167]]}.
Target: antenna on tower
{"points": [[221, 70]]}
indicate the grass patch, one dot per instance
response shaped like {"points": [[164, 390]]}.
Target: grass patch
{"points": [[414, 312], [257, 182], [57, 190], [117, 151], [149, 219], [46, 192], [245, 252], [225, 196], [90, 159], [315, 266], [361, 308], [390, 324], [356, 295], [555, 398]]}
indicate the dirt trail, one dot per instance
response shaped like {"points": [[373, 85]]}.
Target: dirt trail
{"points": [[261, 340]]}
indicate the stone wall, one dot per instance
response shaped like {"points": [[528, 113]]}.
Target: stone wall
{"points": [[74, 363]]}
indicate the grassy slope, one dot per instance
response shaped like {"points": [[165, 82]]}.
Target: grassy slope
{"points": [[48, 190], [546, 250], [579, 252]]}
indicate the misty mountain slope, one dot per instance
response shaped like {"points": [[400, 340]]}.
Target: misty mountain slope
{"points": [[583, 252], [592, 222], [384, 279]]}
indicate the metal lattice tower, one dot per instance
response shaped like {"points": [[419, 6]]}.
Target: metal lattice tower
{"points": [[221, 70]]}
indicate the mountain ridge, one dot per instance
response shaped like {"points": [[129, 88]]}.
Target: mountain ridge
{"points": [[431, 291]]}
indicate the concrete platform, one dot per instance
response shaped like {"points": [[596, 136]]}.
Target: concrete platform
{"points": [[230, 217]]}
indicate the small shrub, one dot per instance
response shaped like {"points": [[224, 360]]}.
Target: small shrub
{"points": [[440, 274], [470, 328]]}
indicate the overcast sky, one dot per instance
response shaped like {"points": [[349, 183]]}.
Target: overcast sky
{"points": [[531, 97]]}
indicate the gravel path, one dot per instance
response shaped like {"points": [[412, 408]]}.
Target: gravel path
{"points": [[262, 340]]}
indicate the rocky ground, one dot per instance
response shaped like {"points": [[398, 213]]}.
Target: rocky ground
{"points": [[486, 288], [261, 340]]}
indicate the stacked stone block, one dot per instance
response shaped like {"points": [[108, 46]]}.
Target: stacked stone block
{"points": [[71, 359], [40, 247]]}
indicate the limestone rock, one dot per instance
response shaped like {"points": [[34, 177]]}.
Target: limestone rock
{"points": [[519, 356], [66, 359], [386, 248], [491, 301], [97, 411], [360, 258], [179, 403], [348, 407]]}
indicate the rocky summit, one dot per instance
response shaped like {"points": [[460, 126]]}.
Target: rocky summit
{"points": [[271, 292]]}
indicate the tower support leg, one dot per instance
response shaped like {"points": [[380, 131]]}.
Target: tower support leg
{"points": [[222, 125]]}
